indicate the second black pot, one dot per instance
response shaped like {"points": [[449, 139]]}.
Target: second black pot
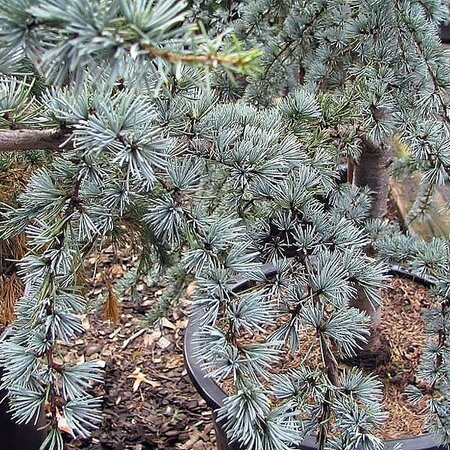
{"points": [[18, 437], [444, 33]]}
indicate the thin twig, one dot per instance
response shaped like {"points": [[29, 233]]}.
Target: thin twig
{"points": [[134, 336], [238, 59]]}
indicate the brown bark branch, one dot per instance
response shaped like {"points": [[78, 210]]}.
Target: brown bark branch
{"points": [[20, 140]]}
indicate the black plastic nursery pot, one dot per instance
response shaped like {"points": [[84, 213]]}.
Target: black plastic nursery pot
{"points": [[444, 33], [18, 437], [214, 396]]}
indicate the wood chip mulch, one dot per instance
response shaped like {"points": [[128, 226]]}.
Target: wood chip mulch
{"points": [[149, 402], [403, 326]]}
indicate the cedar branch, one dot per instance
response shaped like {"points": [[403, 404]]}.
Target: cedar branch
{"points": [[20, 140]]}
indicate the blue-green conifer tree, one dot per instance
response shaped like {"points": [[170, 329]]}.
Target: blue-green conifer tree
{"points": [[144, 124]]}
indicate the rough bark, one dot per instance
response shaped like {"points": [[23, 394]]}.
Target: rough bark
{"points": [[16, 140], [376, 351], [372, 171]]}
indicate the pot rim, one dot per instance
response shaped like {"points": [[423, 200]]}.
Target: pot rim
{"points": [[214, 395]]}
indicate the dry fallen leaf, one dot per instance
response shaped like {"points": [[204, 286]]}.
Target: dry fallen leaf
{"points": [[140, 377], [166, 323], [85, 322], [163, 343], [63, 425], [150, 339]]}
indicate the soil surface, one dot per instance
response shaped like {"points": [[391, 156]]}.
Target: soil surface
{"points": [[149, 402]]}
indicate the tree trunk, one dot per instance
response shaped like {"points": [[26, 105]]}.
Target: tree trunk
{"points": [[376, 351], [372, 170]]}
